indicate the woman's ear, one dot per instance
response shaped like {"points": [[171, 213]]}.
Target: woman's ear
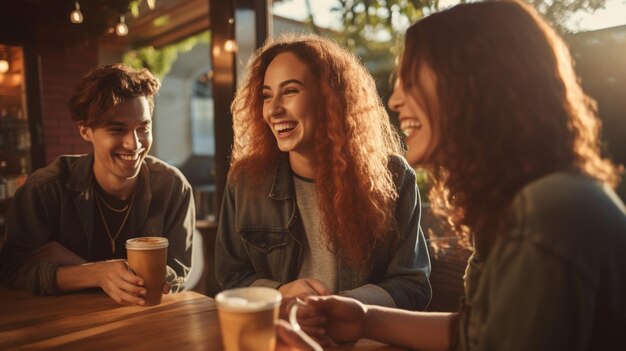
{"points": [[85, 132]]}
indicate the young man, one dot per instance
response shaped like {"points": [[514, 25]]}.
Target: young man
{"points": [[67, 226]]}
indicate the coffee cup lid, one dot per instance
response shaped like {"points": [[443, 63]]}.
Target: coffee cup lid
{"points": [[248, 299], [147, 243]]}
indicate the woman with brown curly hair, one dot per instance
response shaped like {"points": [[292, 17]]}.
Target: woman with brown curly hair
{"points": [[490, 103], [319, 200]]}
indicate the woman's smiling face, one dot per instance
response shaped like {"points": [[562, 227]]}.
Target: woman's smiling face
{"points": [[417, 109], [290, 104]]}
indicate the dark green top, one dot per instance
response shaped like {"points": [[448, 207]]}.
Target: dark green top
{"points": [[556, 280]]}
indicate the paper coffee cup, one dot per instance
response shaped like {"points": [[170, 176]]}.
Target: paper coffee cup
{"points": [[248, 318], [147, 258]]}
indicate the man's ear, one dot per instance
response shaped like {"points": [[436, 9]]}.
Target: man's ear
{"points": [[85, 132]]}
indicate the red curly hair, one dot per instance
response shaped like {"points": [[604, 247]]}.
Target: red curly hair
{"points": [[353, 142], [512, 110]]}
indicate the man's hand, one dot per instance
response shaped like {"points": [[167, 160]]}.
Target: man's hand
{"points": [[167, 287], [121, 285]]}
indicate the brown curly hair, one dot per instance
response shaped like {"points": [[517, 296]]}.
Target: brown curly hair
{"points": [[512, 110], [353, 142], [106, 87]]}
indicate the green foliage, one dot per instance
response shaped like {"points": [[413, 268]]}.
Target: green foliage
{"points": [[599, 57], [134, 8], [557, 12], [159, 60], [373, 29], [421, 178]]}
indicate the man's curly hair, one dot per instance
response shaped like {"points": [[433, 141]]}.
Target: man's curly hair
{"points": [[106, 87]]}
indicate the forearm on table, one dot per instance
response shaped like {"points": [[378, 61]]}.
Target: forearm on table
{"points": [[77, 277], [37, 278], [35, 271], [414, 330], [370, 294], [55, 253]]}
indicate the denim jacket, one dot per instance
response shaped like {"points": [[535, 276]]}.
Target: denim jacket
{"points": [[260, 239], [57, 204], [556, 278]]}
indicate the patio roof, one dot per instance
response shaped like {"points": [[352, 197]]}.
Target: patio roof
{"points": [[46, 23]]}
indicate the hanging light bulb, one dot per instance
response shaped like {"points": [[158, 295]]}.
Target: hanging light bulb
{"points": [[4, 66], [120, 28], [151, 4], [230, 45], [76, 16], [4, 59]]}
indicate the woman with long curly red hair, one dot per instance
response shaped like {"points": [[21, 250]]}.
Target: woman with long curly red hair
{"points": [[490, 103], [319, 199]]}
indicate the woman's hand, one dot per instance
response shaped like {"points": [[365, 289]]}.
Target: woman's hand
{"points": [[310, 321], [288, 339], [344, 317], [328, 319], [304, 287], [121, 285]]}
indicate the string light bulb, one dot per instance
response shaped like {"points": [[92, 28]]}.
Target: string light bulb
{"points": [[151, 4], [76, 16], [4, 59], [121, 29], [4, 66], [230, 45]]}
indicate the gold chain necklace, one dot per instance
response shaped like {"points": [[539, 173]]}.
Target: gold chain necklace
{"points": [[109, 206], [106, 226]]}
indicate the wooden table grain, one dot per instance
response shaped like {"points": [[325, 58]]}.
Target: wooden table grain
{"points": [[90, 320]]}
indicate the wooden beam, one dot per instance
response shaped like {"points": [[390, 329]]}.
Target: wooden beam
{"points": [[229, 21], [224, 83], [176, 34], [264, 26], [32, 72]]}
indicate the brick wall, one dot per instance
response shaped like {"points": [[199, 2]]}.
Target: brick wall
{"points": [[61, 69]]}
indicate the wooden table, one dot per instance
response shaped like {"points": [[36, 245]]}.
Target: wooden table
{"points": [[90, 320]]}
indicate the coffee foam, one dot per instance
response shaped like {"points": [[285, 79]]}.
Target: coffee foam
{"points": [[147, 243], [248, 299], [238, 303]]}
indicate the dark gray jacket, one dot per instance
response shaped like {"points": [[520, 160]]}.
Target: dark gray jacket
{"points": [[556, 279], [57, 204], [260, 239]]}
